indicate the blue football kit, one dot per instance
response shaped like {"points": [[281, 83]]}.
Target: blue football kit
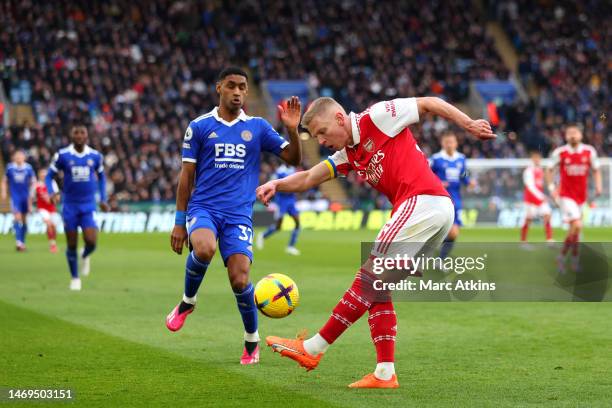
{"points": [[285, 202], [83, 178], [452, 171], [227, 159], [19, 182]]}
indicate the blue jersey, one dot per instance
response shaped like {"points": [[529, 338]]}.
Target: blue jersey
{"points": [[452, 171], [282, 172], [227, 156], [83, 175], [19, 180]]}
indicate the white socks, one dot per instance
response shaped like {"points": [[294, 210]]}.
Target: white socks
{"points": [[315, 345], [190, 300], [384, 371], [251, 337]]}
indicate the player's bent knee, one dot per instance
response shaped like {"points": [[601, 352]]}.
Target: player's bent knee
{"points": [[239, 281]]}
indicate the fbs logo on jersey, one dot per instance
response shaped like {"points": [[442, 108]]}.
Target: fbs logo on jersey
{"points": [[228, 155]]}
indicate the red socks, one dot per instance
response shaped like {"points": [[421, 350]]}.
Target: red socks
{"points": [[548, 230], [524, 231], [383, 328], [350, 308]]}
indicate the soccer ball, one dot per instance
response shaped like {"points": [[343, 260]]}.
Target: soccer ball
{"points": [[276, 295]]}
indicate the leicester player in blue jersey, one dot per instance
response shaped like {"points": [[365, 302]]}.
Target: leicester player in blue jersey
{"points": [[285, 204], [19, 177], [83, 177], [216, 192], [449, 165]]}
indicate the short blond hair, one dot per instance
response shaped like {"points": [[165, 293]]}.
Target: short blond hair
{"points": [[317, 107]]}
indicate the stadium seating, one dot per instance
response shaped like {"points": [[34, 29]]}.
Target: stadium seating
{"points": [[138, 73]]}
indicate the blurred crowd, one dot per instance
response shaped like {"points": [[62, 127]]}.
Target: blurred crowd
{"points": [[136, 73]]}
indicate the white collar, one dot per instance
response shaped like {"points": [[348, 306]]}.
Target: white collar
{"points": [[354, 130], [242, 116], [85, 152], [578, 148], [20, 167], [446, 156]]}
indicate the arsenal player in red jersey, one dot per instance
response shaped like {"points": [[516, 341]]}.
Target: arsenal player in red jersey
{"points": [[536, 203], [46, 209], [380, 148], [575, 161]]}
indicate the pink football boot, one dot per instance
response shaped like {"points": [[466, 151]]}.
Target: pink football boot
{"points": [[176, 320], [252, 358]]}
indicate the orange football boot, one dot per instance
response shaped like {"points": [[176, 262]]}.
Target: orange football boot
{"points": [[294, 349], [370, 381]]}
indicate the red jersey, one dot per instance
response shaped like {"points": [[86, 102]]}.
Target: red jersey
{"points": [[574, 166], [43, 202], [533, 180], [385, 154]]}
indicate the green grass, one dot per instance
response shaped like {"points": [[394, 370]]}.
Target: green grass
{"points": [[109, 344]]}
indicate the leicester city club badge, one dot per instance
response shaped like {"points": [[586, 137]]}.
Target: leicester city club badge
{"points": [[246, 135]]}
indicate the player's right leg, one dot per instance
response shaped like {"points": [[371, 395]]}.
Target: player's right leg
{"points": [[71, 223], [573, 216], [203, 244], [20, 209], [51, 231]]}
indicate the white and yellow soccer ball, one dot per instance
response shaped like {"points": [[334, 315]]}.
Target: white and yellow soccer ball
{"points": [[276, 295]]}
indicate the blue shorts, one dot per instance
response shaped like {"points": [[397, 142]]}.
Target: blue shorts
{"points": [[79, 215], [458, 221], [285, 207], [235, 236], [19, 205]]}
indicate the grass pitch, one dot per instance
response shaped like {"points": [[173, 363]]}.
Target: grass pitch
{"points": [[109, 344]]}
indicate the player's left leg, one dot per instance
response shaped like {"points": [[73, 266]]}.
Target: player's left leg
{"points": [[546, 211], [453, 234], [235, 245], [291, 249], [51, 231], [272, 229], [90, 237]]}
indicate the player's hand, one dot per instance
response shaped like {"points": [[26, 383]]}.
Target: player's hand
{"points": [[104, 207], [481, 129], [55, 199], [597, 191], [471, 185], [178, 238], [291, 112], [265, 192]]}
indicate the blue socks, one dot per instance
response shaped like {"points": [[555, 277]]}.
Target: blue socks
{"points": [[271, 230], [71, 255], [247, 309], [20, 231], [88, 250], [294, 236], [194, 273], [447, 246]]}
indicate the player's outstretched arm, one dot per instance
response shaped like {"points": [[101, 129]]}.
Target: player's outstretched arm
{"points": [[290, 116], [295, 183], [178, 238], [431, 104]]}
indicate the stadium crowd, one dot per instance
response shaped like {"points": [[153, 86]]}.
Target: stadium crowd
{"points": [[137, 73]]}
